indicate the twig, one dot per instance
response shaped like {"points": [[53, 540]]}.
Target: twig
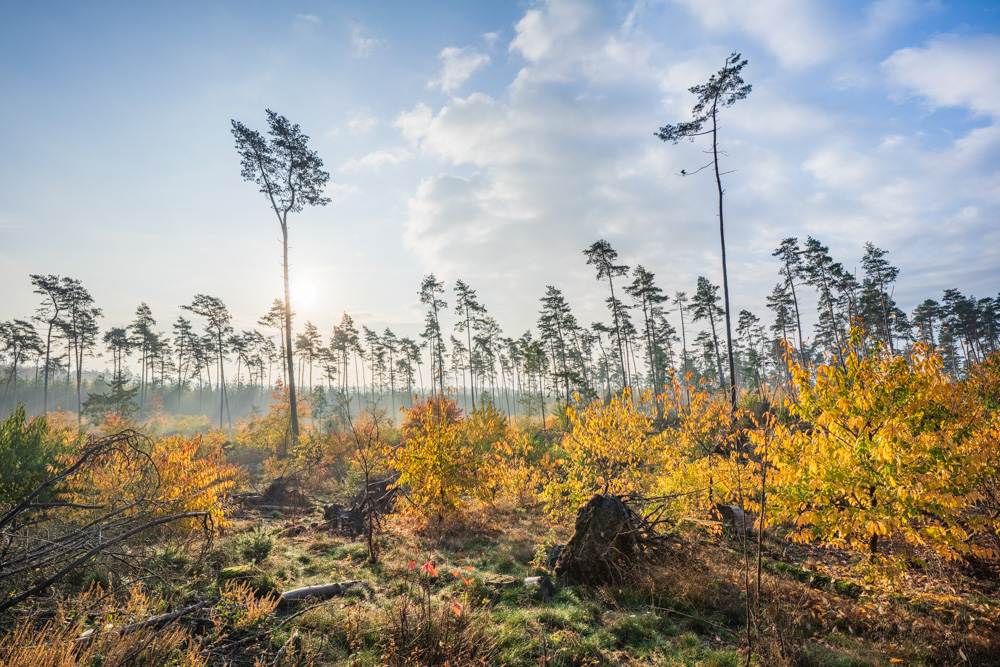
{"points": [[284, 649], [696, 618]]}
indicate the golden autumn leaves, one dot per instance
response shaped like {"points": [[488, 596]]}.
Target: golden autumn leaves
{"points": [[869, 447]]}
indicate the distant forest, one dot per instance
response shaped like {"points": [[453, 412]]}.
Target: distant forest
{"points": [[52, 359]]}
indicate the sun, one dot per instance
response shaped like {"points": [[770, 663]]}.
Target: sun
{"points": [[304, 293]]}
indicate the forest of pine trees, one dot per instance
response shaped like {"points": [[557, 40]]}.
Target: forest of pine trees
{"points": [[61, 357]]}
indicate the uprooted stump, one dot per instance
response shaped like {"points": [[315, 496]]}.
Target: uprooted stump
{"points": [[380, 493], [611, 543], [283, 494], [284, 490], [379, 497]]}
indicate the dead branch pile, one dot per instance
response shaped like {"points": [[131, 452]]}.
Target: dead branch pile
{"points": [[57, 528]]}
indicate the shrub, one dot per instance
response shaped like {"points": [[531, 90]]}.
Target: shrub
{"points": [[610, 449], [435, 459], [893, 447], [28, 448], [256, 545]]}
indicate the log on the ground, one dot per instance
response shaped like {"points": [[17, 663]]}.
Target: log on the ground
{"points": [[734, 517], [153, 621], [610, 544], [321, 592]]}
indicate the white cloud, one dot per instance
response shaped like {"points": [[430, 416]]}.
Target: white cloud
{"points": [[306, 21], [375, 160], [884, 15], [361, 122], [801, 33], [951, 71], [338, 192], [457, 65], [364, 46], [413, 125], [540, 30]]}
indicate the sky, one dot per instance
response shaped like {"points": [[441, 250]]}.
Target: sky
{"points": [[490, 142]]}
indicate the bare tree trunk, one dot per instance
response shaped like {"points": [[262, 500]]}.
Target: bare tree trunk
{"points": [[725, 275], [292, 403]]}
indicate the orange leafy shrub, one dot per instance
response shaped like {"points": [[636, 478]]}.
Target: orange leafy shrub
{"points": [[177, 474], [435, 410], [435, 458], [194, 474]]}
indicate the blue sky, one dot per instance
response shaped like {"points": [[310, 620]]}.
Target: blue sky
{"points": [[490, 142]]}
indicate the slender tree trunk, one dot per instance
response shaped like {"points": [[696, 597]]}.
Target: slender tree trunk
{"points": [[795, 302], [293, 407], [468, 339], [618, 331], [684, 354], [725, 274], [715, 343], [79, 381], [48, 348]]}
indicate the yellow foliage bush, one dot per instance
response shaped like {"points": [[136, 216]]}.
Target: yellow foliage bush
{"points": [[436, 459], [888, 445], [695, 470], [609, 449], [271, 434]]}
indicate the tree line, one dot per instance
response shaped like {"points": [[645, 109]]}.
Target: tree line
{"points": [[648, 335]]}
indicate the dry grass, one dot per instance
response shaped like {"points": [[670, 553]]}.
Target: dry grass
{"points": [[54, 639]]}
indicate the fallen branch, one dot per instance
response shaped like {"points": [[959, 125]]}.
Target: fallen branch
{"points": [[284, 649], [7, 604], [87, 635], [164, 618]]}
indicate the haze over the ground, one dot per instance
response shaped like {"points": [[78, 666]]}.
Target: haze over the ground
{"points": [[490, 142]]}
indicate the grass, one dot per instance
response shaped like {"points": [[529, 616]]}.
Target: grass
{"points": [[690, 612], [478, 610]]}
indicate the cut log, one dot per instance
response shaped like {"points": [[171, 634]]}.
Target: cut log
{"points": [[734, 517], [321, 592]]}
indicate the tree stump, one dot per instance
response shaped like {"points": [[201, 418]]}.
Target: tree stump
{"points": [[610, 543]]}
